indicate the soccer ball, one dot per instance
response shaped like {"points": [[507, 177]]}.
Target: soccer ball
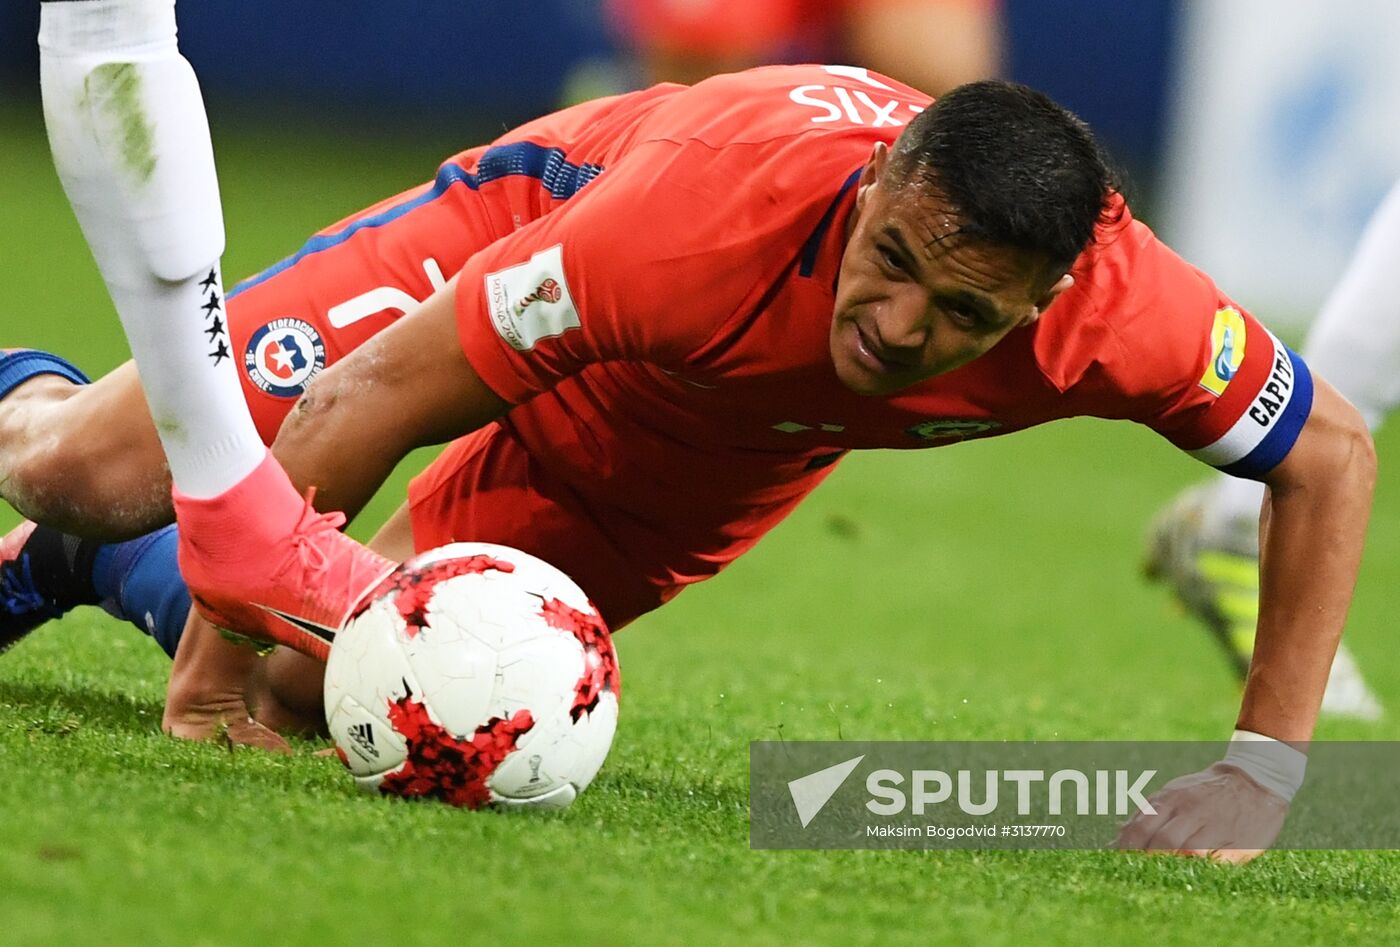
{"points": [[476, 674]]}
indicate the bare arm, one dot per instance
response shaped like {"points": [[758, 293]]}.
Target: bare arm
{"points": [[407, 387], [1312, 532]]}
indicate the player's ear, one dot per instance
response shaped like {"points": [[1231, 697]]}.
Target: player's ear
{"points": [[871, 173], [1043, 303], [1061, 284]]}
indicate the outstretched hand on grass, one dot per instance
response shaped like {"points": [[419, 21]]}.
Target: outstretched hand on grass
{"points": [[1219, 813], [207, 697]]}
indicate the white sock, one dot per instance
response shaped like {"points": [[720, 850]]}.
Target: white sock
{"points": [[1355, 342], [131, 144], [1236, 498]]}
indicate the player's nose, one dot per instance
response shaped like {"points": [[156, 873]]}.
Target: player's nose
{"points": [[905, 336]]}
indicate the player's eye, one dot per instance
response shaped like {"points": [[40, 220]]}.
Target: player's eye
{"points": [[889, 261], [964, 316]]}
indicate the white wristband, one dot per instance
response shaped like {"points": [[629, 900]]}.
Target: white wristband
{"points": [[1271, 763]]}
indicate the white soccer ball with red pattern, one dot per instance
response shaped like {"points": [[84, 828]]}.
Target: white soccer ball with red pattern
{"points": [[476, 674]]}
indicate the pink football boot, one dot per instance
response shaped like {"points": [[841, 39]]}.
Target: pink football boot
{"points": [[261, 562]]}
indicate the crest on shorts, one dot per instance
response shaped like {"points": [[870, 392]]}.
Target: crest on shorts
{"points": [[283, 356]]}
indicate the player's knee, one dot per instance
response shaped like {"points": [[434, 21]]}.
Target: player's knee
{"points": [[67, 464], [66, 486], [28, 449], [39, 483]]}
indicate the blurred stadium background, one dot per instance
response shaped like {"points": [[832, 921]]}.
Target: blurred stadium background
{"points": [[1257, 135], [470, 67], [1234, 119]]}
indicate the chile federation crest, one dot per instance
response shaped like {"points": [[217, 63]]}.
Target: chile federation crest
{"points": [[283, 356]]}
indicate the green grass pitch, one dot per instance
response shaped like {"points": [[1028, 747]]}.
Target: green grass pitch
{"points": [[984, 592]]}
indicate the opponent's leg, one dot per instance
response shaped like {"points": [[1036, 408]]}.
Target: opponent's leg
{"points": [[45, 573], [1206, 544], [1354, 343], [131, 145], [82, 458], [154, 225]]}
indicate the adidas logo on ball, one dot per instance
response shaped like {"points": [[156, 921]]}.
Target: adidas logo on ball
{"points": [[362, 734]]}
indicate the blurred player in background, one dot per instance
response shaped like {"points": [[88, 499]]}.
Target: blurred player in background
{"points": [[932, 45], [1205, 544]]}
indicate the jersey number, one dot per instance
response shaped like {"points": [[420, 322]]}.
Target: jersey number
{"points": [[382, 299]]}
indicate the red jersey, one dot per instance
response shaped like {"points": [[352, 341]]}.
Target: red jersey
{"points": [[650, 279], [663, 304]]}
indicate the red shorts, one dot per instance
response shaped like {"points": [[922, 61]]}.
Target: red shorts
{"points": [[347, 283], [487, 487], [352, 280]]}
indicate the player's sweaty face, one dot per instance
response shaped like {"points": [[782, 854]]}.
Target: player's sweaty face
{"points": [[914, 299]]}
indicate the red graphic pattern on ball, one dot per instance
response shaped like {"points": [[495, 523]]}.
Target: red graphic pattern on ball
{"points": [[412, 587], [439, 765], [600, 674]]}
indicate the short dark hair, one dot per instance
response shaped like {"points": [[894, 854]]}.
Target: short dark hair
{"points": [[1018, 169]]}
